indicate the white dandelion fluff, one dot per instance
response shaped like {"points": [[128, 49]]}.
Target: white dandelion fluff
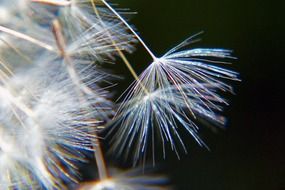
{"points": [[90, 17], [170, 94], [53, 127], [52, 105], [14, 174]]}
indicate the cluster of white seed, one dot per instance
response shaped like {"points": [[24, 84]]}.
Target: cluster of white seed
{"points": [[52, 104]]}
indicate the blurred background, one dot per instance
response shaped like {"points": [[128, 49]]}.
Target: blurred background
{"points": [[249, 153]]}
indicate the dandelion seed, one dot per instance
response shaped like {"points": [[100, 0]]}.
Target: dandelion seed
{"points": [[191, 76], [169, 95]]}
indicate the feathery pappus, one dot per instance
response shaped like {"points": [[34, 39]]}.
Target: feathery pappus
{"points": [[56, 96], [50, 124]]}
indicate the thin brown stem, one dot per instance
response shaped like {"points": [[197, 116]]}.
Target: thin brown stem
{"points": [[26, 37], [121, 54], [53, 2], [100, 161], [102, 169]]}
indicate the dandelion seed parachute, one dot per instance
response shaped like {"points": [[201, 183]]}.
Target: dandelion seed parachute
{"points": [[170, 94]]}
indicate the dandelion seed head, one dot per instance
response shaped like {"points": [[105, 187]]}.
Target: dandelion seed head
{"points": [[169, 96], [50, 107], [148, 97], [158, 61]]}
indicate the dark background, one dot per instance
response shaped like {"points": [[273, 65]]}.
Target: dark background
{"points": [[249, 154]]}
